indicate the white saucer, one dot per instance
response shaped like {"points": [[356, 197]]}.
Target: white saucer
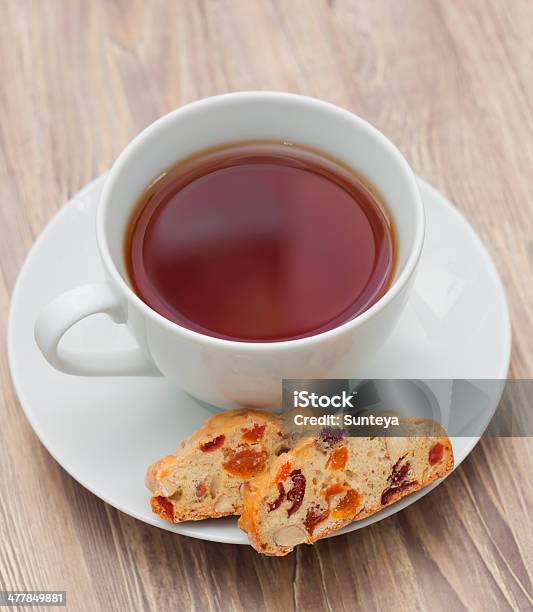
{"points": [[105, 431]]}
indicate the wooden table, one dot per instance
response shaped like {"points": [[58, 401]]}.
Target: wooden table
{"points": [[451, 82]]}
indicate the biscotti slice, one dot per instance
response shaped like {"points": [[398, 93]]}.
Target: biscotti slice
{"points": [[326, 482], [203, 478]]}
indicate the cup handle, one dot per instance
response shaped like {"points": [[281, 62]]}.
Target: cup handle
{"points": [[68, 309]]}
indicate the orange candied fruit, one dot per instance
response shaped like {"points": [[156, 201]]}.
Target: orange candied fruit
{"points": [[338, 458], [166, 466], [347, 506], [255, 433], [284, 472], [245, 462], [332, 490]]}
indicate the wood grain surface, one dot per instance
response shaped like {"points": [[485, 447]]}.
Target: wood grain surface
{"points": [[451, 83]]}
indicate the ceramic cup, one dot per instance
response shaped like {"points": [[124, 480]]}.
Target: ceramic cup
{"points": [[220, 372]]}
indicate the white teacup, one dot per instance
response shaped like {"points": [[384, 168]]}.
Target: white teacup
{"points": [[222, 372]]}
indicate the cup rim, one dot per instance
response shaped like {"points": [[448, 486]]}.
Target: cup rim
{"points": [[160, 124]]}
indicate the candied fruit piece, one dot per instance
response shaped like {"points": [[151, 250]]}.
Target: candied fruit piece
{"points": [[212, 445], [332, 490], [315, 515], [331, 436], [245, 462], [347, 506], [397, 481], [338, 458], [436, 452], [297, 491], [166, 467], [391, 492], [284, 472], [255, 433], [399, 471], [279, 500], [162, 506], [201, 490]]}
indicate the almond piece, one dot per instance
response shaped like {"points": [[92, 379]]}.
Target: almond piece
{"points": [[291, 535], [223, 504], [396, 447], [214, 485]]}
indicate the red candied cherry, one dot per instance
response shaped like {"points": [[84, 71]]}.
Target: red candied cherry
{"points": [[212, 445], [436, 453], [297, 491]]}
